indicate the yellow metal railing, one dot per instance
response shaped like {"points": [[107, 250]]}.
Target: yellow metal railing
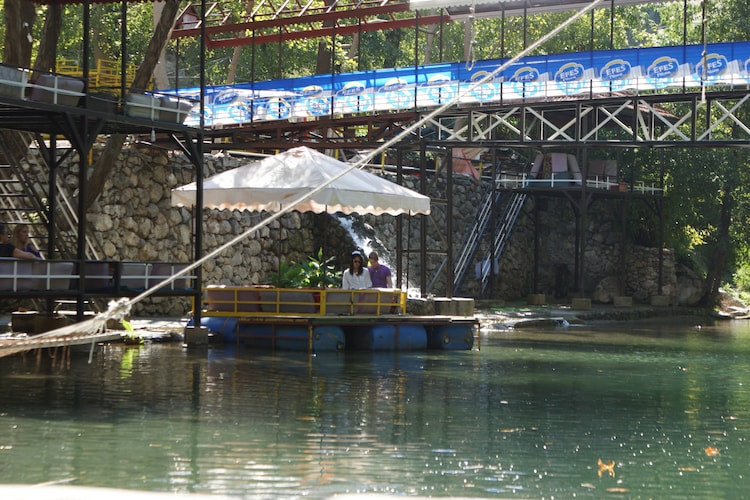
{"points": [[247, 301], [105, 76]]}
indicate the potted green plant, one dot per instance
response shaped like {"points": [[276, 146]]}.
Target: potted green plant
{"points": [[313, 273]]}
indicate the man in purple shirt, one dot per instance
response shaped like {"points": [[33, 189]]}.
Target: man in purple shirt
{"points": [[379, 274]]}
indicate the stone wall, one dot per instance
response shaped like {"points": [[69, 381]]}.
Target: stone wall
{"points": [[134, 220]]}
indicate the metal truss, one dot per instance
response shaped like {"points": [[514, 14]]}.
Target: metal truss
{"points": [[274, 22], [354, 132], [716, 119], [674, 119]]}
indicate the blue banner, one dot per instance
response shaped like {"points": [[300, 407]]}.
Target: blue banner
{"points": [[424, 87]]}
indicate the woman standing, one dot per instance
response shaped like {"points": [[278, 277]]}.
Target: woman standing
{"points": [[356, 277]]}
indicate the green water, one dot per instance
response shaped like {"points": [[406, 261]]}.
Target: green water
{"points": [[527, 416]]}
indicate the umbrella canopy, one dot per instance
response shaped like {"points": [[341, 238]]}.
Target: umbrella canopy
{"points": [[274, 182]]}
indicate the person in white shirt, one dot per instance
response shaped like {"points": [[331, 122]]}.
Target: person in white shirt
{"points": [[356, 277]]}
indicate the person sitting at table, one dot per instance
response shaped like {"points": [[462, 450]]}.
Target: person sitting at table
{"points": [[8, 250], [356, 277], [21, 240], [380, 274]]}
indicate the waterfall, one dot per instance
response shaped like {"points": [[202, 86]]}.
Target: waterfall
{"points": [[365, 239]]}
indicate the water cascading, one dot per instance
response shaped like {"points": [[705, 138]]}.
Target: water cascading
{"points": [[364, 238]]}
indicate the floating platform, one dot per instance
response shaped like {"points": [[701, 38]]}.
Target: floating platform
{"points": [[329, 320]]}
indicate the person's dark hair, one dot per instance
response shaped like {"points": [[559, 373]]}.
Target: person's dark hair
{"points": [[3, 228], [357, 255]]}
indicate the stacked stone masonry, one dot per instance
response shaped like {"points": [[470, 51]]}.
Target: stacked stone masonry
{"points": [[134, 220]]}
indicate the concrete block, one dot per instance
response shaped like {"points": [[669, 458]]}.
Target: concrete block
{"points": [[463, 306], [581, 304], [44, 323], [444, 306], [537, 299], [623, 301], [196, 336], [661, 300], [420, 306], [23, 321]]}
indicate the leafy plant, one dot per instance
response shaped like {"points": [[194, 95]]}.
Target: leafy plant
{"points": [[133, 338], [314, 273]]}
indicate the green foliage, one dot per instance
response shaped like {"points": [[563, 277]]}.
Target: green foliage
{"points": [[741, 279], [132, 336], [314, 273]]}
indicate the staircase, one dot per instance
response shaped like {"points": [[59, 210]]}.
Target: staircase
{"points": [[510, 205], [20, 202], [24, 199], [502, 233]]}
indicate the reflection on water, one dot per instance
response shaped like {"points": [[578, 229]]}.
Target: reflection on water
{"points": [[528, 416]]}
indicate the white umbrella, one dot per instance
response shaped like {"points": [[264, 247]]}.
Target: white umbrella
{"points": [[270, 184]]}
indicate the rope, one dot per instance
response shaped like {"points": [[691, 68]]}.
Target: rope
{"points": [[119, 309], [471, 57]]}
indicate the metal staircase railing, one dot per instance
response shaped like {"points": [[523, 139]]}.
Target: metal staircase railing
{"points": [[469, 250], [512, 207], [502, 234], [24, 200], [18, 203]]}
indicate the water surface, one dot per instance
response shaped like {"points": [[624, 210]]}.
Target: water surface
{"points": [[530, 415]]}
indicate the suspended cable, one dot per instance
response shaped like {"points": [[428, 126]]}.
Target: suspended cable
{"points": [[471, 57]]}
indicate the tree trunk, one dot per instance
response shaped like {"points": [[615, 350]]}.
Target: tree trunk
{"points": [[161, 77], [718, 262], [236, 53], [19, 21], [105, 163], [45, 58], [323, 63]]}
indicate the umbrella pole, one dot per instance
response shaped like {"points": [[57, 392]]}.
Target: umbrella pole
{"points": [[278, 258], [323, 253]]}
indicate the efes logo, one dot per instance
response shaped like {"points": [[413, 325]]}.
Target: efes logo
{"points": [[352, 88], [569, 72], [351, 100], [617, 69], [528, 76], [437, 80], [485, 91], [393, 84], [663, 67], [525, 75], [439, 89], [311, 90], [225, 97], [712, 66], [277, 109], [480, 75], [395, 94], [569, 78]]}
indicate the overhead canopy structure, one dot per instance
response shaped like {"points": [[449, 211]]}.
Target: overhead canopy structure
{"points": [[495, 8], [269, 22], [273, 183]]}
